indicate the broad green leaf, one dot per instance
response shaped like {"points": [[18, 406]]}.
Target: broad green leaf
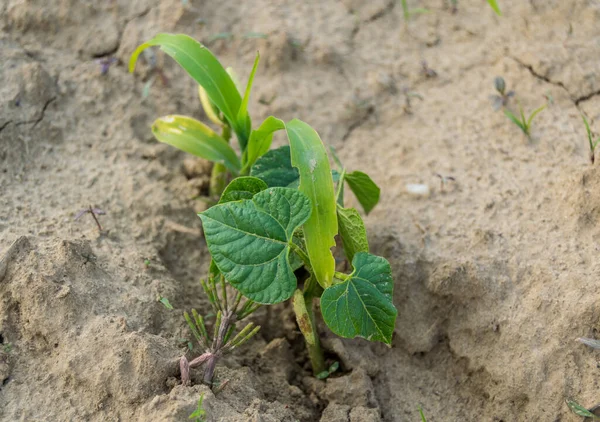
{"points": [[242, 188], [310, 158], [494, 5], [205, 69], [275, 169], [249, 242], [196, 138], [352, 231], [365, 189], [362, 305], [261, 138], [243, 117]]}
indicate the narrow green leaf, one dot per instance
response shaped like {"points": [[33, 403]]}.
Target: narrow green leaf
{"points": [[261, 138], [494, 5], [249, 242], [352, 231], [242, 188], [275, 169], [205, 69], [422, 415], [196, 138], [243, 117], [166, 303], [515, 120], [310, 158], [579, 410], [362, 305], [535, 113], [418, 11], [365, 189]]}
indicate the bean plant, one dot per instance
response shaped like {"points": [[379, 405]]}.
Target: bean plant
{"points": [[272, 231]]}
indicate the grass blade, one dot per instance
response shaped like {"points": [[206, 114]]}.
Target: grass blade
{"points": [[494, 5], [243, 117], [515, 120], [535, 113]]}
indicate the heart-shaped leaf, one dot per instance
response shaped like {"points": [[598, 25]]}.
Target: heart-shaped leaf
{"points": [[362, 305], [242, 188], [275, 169], [364, 188], [196, 138], [352, 231], [249, 242], [310, 158]]}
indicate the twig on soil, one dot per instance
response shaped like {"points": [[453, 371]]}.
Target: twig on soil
{"points": [[444, 180], [94, 212]]}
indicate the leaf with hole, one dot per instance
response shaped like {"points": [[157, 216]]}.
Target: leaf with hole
{"points": [[249, 242], [361, 306]]}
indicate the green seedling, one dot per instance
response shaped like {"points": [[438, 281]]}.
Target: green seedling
{"points": [[494, 5], [523, 123], [579, 410], [166, 303], [593, 144], [326, 373], [500, 100], [408, 12], [281, 213], [199, 415], [422, 414]]}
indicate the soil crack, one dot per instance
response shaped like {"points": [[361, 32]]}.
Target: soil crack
{"points": [[39, 119], [540, 76], [359, 122]]}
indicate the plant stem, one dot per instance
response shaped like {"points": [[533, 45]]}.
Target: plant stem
{"points": [[303, 307], [218, 343], [219, 175]]}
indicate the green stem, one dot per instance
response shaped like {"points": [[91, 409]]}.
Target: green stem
{"points": [[341, 276], [219, 175], [303, 307], [339, 195]]}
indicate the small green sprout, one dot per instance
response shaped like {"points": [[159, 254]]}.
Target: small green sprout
{"points": [[422, 414], [523, 123], [593, 144], [408, 12], [500, 100], [579, 410], [199, 415], [494, 5], [325, 374], [7, 348], [165, 303], [147, 262]]}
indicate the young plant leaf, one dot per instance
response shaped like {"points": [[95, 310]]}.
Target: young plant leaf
{"points": [[275, 169], [206, 70], [261, 138], [196, 138], [494, 5], [535, 113], [243, 117], [211, 111], [362, 305], [579, 410], [249, 242], [515, 120], [352, 231], [242, 188], [366, 191], [310, 158]]}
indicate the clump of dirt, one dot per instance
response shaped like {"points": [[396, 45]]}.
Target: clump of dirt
{"points": [[495, 275]]}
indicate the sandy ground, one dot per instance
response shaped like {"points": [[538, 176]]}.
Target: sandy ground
{"points": [[495, 275]]}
